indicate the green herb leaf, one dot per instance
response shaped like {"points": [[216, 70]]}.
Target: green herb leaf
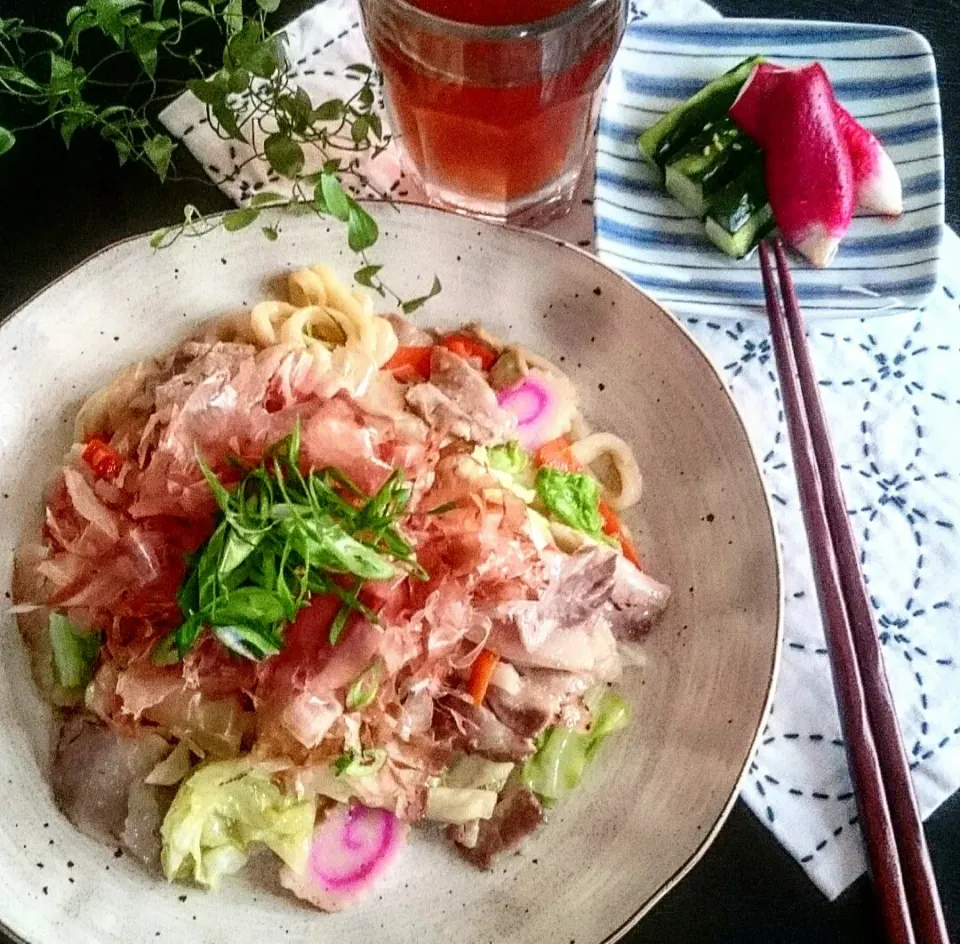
{"points": [[408, 307], [339, 624], [284, 154], [270, 232], [7, 140], [335, 200], [252, 606], [362, 229], [365, 275], [247, 641], [187, 633], [363, 689], [363, 763], [159, 150], [332, 110], [268, 6], [239, 219], [360, 68]]}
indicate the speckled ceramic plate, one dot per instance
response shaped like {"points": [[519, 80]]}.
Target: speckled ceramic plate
{"points": [[657, 795]]}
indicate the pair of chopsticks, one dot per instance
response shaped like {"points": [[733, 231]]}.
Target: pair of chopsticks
{"points": [[890, 820]]}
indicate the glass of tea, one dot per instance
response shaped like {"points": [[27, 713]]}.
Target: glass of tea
{"points": [[493, 102]]}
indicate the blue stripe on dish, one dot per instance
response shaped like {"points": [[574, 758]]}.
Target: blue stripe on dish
{"points": [[885, 75], [681, 88], [777, 32]]}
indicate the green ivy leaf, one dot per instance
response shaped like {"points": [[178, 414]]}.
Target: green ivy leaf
{"points": [[108, 18], [360, 68], [238, 80], [191, 6], [270, 232], [362, 229], [156, 240], [64, 78], [15, 76], [159, 149], [413, 304], [335, 201], [144, 40], [267, 199], [249, 49], [268, 6], [240, 219], [298, 107], [233, 16], [7, 139], [210, 91], [157, 9], [376, 125], [360, 129], [332, 110], [285, 155], [365, 96], [122, 146], [68, 126], [364, 276], [227, 120]]}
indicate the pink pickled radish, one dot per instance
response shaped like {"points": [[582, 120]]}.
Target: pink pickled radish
{"points": [[352, 847], [878, 183], [791, 115], [543, 404]]}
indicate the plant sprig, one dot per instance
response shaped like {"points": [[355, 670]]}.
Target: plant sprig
{"points": [[283, 536], [247, 91]]}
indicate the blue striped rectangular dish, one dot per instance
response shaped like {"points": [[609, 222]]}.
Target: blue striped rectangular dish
{"points": [[886, 76]]}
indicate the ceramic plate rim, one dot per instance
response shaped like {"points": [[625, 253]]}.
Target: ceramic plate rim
{"points": [[709, 837]]}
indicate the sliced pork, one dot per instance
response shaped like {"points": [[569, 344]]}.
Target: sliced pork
{"points": [[458, 400]]}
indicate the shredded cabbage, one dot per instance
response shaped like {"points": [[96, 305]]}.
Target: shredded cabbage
{"points": [[510, 458], [224, 807], [471, 772], [75, 652], [457, 805], [573, 498], [563, 753], [507, 471]]}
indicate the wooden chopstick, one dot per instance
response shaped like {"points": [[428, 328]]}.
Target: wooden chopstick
{"points": [[861, 746], [921, 887]]}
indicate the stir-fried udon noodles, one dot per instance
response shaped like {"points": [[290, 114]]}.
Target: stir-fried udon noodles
{"points": [[317, 575]]}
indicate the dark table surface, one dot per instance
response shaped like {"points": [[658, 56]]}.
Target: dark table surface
{"points": [[58, 209]]}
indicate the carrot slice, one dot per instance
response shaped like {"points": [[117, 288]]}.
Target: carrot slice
{"points": [[480, 675], [407, 359], [105, 461], [469, 348], [558, 455], [614, 527]]}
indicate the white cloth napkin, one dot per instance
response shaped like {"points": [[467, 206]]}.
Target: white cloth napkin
{"points": [[892, 391]]}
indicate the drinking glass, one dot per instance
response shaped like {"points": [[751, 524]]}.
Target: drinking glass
{"points": [[494, 118]]}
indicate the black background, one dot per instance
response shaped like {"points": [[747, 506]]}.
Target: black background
{"points": [[56, 209]]}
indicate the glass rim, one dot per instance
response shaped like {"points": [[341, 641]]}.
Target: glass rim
{"points": [[515, 31]]}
